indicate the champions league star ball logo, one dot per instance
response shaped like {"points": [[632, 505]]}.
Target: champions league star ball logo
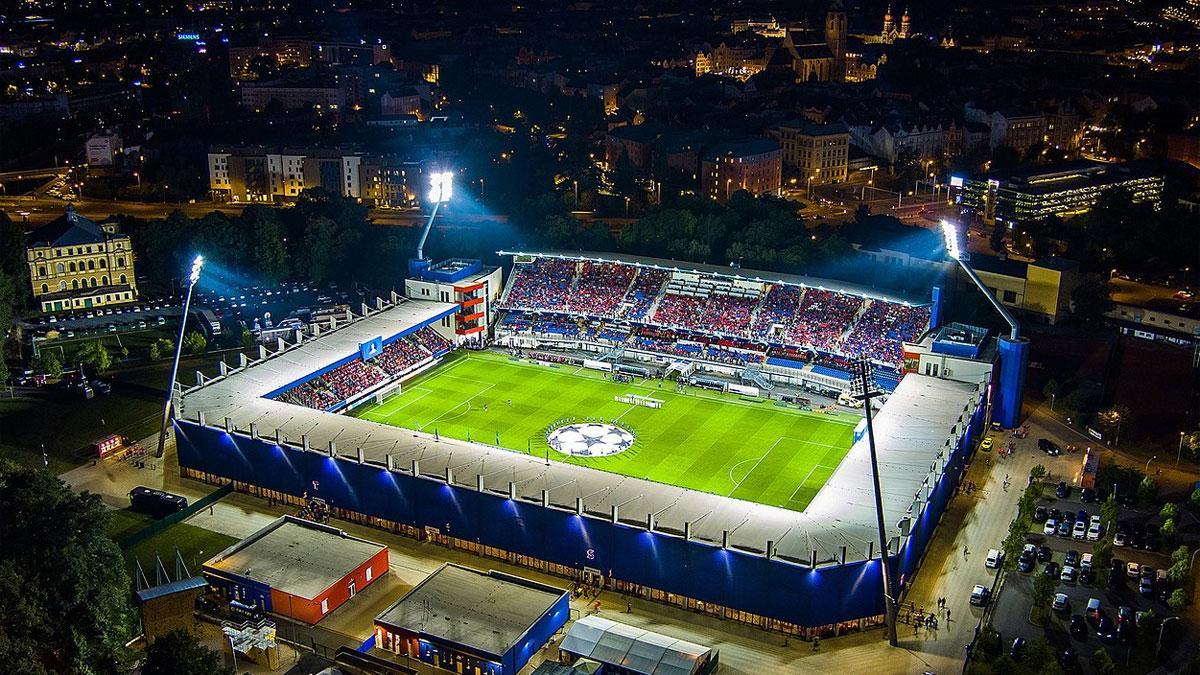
{"points": [[590, 439]]}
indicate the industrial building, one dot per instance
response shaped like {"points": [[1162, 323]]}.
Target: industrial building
{"points": [[297, 568], [466, 621]]}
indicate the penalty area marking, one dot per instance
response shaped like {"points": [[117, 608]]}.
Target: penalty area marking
{"points": [[388, 415], [466, 403], [792, 497]]}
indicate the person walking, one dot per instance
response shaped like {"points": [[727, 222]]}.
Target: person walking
{"points": [[816, 643]]}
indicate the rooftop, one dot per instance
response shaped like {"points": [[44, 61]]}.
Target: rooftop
{"points": [[69, 229], [295, 556], [487, 611]]}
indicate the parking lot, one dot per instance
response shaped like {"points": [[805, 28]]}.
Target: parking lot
{"points": [[1130, 646]]}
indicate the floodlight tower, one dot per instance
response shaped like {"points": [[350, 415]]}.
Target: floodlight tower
{"points": [[862, 384], [1014, 349], [193, 277], [441, 186]]}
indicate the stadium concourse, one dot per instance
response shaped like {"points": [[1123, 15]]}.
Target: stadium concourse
{"points": [[806, 573]]}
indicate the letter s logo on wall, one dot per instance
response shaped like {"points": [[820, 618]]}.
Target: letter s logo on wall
{"points": [[591, 554]]}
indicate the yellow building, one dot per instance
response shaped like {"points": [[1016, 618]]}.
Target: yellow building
{"points": [[819, 152], [74, 263], [1042, 288]]}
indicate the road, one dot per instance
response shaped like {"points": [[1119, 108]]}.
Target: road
{"points": [[41, 210]]}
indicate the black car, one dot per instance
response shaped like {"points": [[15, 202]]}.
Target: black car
{"points": [[1116, 579], [1040, 514], [1055, 514], [1018, 646], [1136, 540], [1087, 576], [1044, 554], [1151, 542], [1052, 570], [101, 387], [1063, 490], [1078, 627], [1087, 496], [1072, 558], [1025, 564], [1124, 631], [1105, 629], [1068, 659], [1048, 446]]}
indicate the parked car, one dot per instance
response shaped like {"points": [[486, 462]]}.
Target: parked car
{"points": [[1087, 577], [1080, 530], [1087, 496], [986, 444], [1085, 561], [1068, 659], [994, 558], [1124, 614], [1050, 527], [1094, 532], [1055, 514], [1069, 575], [1064, 528], [979, 595], [1044, 554], [1078, 627], [1040, 514], [1094, 612], [1018, 646], [1047, 446], [1063, 490], [1071, 558], [1025, 564], [1146, 587], [1105, 628], [1133, 570], [1051, 569], [1061, 602]]}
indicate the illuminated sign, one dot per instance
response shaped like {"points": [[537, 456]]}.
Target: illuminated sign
{"points": [[187, 37], [956, 181]]}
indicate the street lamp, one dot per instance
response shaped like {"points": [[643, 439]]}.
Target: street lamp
{"points": [[193, 277], [1158, 646], [441, 186], [1147, 471], [1180, 450]]}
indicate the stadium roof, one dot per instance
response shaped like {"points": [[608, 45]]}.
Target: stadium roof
{"points": [[486, 611], [726, 272], [295, 556], [914, 427]]}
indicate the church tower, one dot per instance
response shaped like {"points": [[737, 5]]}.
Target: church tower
{"points": [[888, 24], [835, 37], [904, 25]]}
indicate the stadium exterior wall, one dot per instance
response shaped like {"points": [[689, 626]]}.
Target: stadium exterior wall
{"points": [[730, 579]]}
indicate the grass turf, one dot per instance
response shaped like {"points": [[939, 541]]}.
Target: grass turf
{"points": [[722, 444]]}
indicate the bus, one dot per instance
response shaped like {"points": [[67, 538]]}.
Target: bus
{"points": [[155, 502]]}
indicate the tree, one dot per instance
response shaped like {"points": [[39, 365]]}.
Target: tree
{"points": [[65, 578], [1179, 572], [1090, 299], [93, 353], [266, 243], [195, 342], [47, 363], [1169, 530], [998, 234], [1102, 663], [1043, 593], [1109, 511], [1178, 600], [1194, 499], [1113, 419], [1147, 490], [1102, 555], [1181, 554], [1040, 655], [1169, 510], [179, 653], [1051, 389], [161, 348], [1015, 541], [248, 339], [1037, 473]]}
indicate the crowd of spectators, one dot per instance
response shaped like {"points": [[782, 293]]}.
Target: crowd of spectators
{"points": [[543, 284], [879, 332], [349, 379], [601, 287], [685, 311], [812, 320], [823, 317], [643, 292], [777, 308]]}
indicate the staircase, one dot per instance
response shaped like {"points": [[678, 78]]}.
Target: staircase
{"points": [[754, 375]]}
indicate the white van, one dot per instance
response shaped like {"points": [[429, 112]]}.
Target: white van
{"points": [[994, 557]]}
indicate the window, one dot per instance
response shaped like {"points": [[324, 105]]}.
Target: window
{"points": [[42, 271], [103, 263], [45, 288], [370, 573], [61, 268], [121, 261], [124, 279], [91, 264], [74, 284], [1010, 297], [62, 285], [72, 267], [104, 280], [325, 606]]}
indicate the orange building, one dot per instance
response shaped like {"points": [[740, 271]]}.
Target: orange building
{"points": [[296, 568], [755, 166]]}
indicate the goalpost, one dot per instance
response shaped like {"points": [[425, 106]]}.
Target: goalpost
{"points": [[636, 399], [388, 392]]}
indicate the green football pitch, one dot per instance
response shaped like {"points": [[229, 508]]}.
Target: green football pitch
{"points": [[719, 443]]}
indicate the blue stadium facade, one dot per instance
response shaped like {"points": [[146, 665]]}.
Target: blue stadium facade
{"points": [[774, 593]]}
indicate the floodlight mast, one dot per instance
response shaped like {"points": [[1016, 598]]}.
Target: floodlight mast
{"points": [[193, 278], [955, 252], [863, 382], [441, 186]]}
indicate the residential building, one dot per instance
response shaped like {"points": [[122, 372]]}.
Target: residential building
{"points": [[633, 141], [250, 174], [293, 95], [755, 166], [75, 263], [1041, 289], [102, 148], [1064, 189], [819, 152]]}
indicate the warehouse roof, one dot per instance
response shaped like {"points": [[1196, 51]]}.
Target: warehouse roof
{"points": [[485, 611], [634, 649], [922, 416], [295, 556]]}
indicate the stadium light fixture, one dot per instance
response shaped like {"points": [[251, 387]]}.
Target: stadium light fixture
{"points": [[441, 187], [193, 279], [950, 234], [955, 252]]}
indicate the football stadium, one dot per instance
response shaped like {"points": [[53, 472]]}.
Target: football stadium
{"points": [[686, 433]]}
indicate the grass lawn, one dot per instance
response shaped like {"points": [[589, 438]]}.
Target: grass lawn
{"points": [[722, 444], [195, 544]]}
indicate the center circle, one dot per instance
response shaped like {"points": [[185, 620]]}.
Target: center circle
{"points": [[590, 439]]}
